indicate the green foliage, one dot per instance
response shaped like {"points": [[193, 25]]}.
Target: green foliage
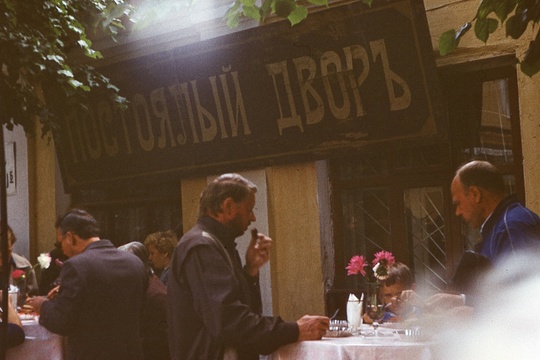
{"points": [[292, 10], [530, 64], [484, 27], [449, 40], [516, 15], [148, 13], [36, 37]]}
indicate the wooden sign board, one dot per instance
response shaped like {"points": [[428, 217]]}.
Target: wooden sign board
{"points": [[344, 78]]}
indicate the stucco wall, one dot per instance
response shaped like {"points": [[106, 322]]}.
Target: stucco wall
{"points": [[529, 107]]}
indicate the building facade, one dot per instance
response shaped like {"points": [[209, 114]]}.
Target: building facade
{"points": [[320, 211]]}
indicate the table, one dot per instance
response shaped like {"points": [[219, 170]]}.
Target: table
{"points": [[388, 345], [39, 344]]}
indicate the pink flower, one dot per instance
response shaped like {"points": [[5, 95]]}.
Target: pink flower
{"points": [[382, 260], [356, 265], [18, 274], [384, 257]]}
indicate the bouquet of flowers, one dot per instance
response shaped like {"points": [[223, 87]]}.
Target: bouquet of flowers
{"points": [[381, 261]]}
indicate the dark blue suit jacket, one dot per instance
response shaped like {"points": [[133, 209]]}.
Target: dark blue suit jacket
{"points": [[98, 306], [511, 228]]}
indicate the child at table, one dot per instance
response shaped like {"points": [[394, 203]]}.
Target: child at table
{"points": [[399, 279]]}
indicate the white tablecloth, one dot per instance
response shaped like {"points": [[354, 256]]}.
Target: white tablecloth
{"points": [[388, 346], [39, 344]]}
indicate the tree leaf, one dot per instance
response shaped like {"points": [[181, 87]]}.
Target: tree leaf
{"points": [[367, 2], [283, 8], [56, 58], [484, 27], [65, 72], [448, 42], [298, 14], [252, 12], [318, 2], [485, 8], [75, 83], [493, 24], [233, 14], [266, 9], [530, 65], [233, 19], [504, 7], [515, 26], [248, 3]]}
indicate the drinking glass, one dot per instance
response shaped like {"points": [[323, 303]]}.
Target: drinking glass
{"points": [[375, 311]]}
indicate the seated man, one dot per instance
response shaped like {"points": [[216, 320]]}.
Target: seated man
{"points": [[399, 279]]}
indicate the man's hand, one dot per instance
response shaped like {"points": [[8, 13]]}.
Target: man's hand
{"points": [[443, 302], [36, 302], [258, 252], [312, 327], [54, 291], [411, 298]]}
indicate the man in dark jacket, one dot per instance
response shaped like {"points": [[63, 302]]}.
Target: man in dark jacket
{"points": [[101, 291], [214, 303]]}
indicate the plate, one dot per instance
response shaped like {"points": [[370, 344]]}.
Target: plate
{"points": [[23, 316], [337, 333]]}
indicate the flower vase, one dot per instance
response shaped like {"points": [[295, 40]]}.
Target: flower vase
{"points": [[372, 293], [374, 307]]}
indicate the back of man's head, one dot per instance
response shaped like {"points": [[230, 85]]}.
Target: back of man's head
{"points": [[225, 186], [79, 222], [481, 174]]}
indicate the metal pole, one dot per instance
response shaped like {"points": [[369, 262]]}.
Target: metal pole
{"points": [[6, 268]]}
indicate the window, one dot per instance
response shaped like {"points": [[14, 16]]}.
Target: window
{"points": [[400, 200], [131, 212]]}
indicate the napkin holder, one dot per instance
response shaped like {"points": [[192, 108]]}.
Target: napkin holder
{"points": [[354, 312]]}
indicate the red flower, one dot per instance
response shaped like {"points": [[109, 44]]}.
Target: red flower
{"points": [[18, 274], [356, 265], [382, 260], [384, 257]]}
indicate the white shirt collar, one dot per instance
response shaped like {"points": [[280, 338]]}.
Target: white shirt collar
{"points": [[485, 221]]}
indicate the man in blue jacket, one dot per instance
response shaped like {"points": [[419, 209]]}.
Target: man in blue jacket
{"points": [[506, 226]]}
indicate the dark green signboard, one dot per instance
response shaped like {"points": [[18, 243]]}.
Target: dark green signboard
{"points": [[346, 77]]}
